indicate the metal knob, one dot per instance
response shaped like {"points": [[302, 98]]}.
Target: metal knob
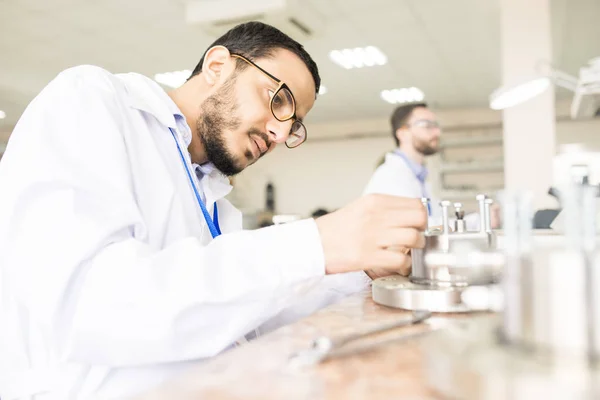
{"points": [[458, 211], [460, 225]]}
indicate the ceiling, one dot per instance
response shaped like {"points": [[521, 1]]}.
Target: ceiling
{"points": [[448, 48]]}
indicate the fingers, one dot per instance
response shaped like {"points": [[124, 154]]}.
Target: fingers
{"points": [[379, 231], [405, 218], [395, 202], [393, 261], [401, 237], [406, 268], [395, 211]]}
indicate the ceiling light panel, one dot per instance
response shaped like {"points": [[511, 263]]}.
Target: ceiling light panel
{"points": [[404, 95], [358, 57]]}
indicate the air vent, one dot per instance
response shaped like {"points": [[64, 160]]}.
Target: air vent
{"points": [[226, 23], [302, 27], [294, 17]]}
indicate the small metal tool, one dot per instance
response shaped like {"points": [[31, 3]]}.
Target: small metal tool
{"points": [[324, 348]]}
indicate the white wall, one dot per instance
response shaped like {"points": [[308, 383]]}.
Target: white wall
{"points": [[315, 175], [331, 170], [4, 135]]}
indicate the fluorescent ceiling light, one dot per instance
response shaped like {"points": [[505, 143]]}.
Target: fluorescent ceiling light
{"points": [[586, 88], [358, 57], [2, 114], [173, 79], [546, 75], [322, 90], [404, 95], [511, 96]]}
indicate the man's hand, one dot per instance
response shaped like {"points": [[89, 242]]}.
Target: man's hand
{"points": [[404, 270], [374, 234]]}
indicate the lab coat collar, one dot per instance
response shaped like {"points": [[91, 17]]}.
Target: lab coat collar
{"points": [[147, 95]]}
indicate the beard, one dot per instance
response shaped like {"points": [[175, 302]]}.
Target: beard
{"points": [[426, 147], [218, 114]]}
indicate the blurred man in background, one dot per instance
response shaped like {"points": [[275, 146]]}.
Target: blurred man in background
{"points": [[416, 132]]}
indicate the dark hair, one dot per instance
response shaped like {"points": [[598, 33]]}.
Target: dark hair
{"points": [[401, 115], [319, 212], [256, 40]]}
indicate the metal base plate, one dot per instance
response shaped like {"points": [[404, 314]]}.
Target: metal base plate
{"points": [[400, 292], [467, 361]]}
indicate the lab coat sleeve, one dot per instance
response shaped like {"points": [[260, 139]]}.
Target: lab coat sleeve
{"points": [[330, 290], [78, 266]]}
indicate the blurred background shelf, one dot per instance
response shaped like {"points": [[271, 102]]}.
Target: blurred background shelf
{"points": [[471, 142], [476, 166], [466, 195], [470, 161]]}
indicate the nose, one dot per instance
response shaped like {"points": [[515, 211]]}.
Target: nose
{"points": [[279, 131]]}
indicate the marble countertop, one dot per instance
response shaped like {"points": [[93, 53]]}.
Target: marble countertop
{"points": [[262, 369]]}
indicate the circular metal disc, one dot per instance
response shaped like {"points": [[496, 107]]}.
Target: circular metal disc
{"points": [[400, 292]]}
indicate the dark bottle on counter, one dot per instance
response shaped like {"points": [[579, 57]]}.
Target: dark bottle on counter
{"points": [[270, 199]]}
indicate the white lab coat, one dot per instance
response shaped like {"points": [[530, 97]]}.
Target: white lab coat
{"points": [[394, 177], [110, 280]]}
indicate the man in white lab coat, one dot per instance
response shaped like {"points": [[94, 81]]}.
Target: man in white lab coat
{"points": [[416, 132], [121, 261]]}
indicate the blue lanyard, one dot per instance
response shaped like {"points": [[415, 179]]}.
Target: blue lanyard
{"points": [[423, 191], [213, 223]]}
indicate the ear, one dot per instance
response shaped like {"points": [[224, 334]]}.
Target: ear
{"points": [[215, 64], [401, 134]]}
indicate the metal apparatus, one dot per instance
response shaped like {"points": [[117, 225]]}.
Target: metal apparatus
{"points": [[546, 342], [451, 264]]}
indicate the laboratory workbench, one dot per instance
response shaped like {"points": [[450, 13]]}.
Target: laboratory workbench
{"points": [[262, 369]]}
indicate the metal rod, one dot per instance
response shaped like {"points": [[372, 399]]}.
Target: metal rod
{"points": [[325, 347], [488, 215], [417, 317], [445, 204], [589, 247], [481, 200], [425, 202]]}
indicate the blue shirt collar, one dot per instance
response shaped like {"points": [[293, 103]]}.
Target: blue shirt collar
{"points": [[418, 169]]}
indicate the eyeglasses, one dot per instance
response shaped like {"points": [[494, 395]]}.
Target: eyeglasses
{"points": [[283, 107], [425, 123]]}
